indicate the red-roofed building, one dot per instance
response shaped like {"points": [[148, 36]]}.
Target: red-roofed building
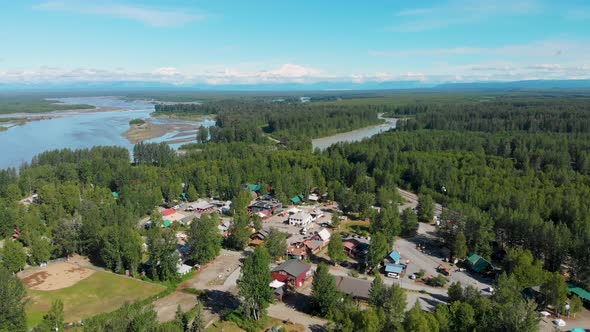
{"points": [[168, 212]]}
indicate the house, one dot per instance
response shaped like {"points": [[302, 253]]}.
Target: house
{"points": [[278, 289], [313, 197], [258, 238], [300, 219], [183, 269], [356, 288], [292, 272], [297, 199], [323, 235], [395, 257], [315, 245], [269, 206], [478, 264], [298, 250], [356, 246], [202, 206], [168, 212]]}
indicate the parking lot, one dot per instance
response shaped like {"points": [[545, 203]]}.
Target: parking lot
{"points": [[281, 222]]}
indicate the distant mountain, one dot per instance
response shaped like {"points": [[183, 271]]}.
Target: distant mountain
{"points": [[530, 84], [123, 86]]}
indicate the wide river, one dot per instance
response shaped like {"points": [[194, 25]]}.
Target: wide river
{"points": [[79, 129], [355, 135]]}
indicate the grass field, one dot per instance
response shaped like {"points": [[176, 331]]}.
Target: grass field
{"points": [[99, 293], [33, 104]]}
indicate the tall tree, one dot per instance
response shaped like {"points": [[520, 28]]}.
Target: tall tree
{"points": [[323, 291], [253, 285], [417, 320], [204, 238], [409, 222], [198, 324], [378, 249], [40, 250], [13, 255], [460, 246], [12, 306], [54, 319], [425, 208], [394, 307], [335, 220], [336, 249], [276, 243], [378, 292], [555, 290]]}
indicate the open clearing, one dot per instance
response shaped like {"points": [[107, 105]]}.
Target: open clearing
{"points": [[57, 276], [84, 292]]}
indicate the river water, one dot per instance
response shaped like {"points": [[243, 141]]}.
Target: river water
{"points": [[76, 130], [355, 135]]}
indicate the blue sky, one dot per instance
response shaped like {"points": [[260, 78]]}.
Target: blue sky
{"points": [[223, 41]]}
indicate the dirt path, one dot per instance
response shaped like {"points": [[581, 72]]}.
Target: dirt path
{"points": [[311, 323], [218, 278]]}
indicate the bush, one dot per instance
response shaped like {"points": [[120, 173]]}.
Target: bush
{"points": [[438, 281], [136, 122], [420, 273]]}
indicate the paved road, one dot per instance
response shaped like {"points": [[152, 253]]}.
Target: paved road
{"points": [[412, 202]]}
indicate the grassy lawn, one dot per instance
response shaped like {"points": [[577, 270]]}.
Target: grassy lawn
{"points": [[99, 293], [359, 227]]}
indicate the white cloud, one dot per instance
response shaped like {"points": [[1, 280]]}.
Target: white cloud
{"points": [[457, 12], [157, 17]]}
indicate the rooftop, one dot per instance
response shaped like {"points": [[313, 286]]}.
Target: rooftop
{"points": [[293, 267]]}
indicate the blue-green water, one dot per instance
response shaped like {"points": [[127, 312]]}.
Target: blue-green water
{"points": [[78, 130]]}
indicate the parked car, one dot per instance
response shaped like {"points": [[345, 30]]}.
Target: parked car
{"points": [[392, 275]]}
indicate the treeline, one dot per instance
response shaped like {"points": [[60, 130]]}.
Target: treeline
{"points": [[534, 116], [244, 120], [184, 109]]}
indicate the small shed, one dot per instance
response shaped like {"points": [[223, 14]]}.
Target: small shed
{"points": [[394, 268], [477, 263]]}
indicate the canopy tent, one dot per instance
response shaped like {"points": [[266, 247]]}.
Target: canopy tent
{"points": [[276, 284]]}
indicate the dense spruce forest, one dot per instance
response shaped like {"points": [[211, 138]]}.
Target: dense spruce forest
{"points": [[513, 176], [247, 119]]}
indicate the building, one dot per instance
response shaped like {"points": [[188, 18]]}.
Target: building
{"points": [[297, 199], [298, 250], [168, 212], [323, 235], [395, 257], [292, 272], [478, 264], [278, 289], [202, 206], [356, 246], [396, 269], [317, 213], [300, 219], [269, 206], [356, 288]]}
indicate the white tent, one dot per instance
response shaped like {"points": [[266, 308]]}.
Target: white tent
{"points": [[276, 284]]}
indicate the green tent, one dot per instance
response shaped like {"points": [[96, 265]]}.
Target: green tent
{"points": [[167, 223], [477, 263], [254, 187], [115, 194]]}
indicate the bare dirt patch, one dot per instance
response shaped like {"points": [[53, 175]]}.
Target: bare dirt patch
{"points": [[57, 276]]}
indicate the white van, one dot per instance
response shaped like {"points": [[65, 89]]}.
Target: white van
{"points": [[393, 275], [303, 231]]}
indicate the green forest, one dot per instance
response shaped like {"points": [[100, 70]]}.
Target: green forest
{"points": [[512, 172]]}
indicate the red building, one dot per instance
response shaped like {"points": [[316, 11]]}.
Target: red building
{"points": [[292, 272]]}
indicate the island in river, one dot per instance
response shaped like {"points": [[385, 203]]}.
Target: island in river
{"points": [[148, 130]]}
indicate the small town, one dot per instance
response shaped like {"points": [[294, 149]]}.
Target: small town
{"points": [[295, 166]]}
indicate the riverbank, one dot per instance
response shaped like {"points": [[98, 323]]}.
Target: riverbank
{"points": [[150, 130], [354, 135]]}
